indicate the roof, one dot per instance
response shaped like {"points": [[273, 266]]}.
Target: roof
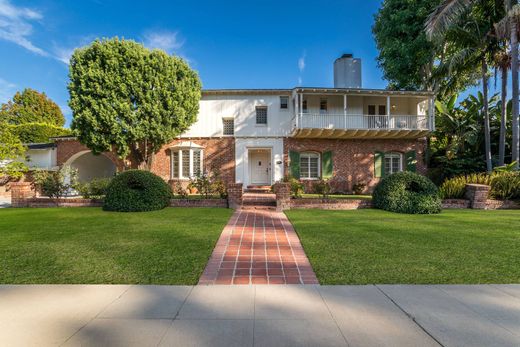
{"points": [[64, 137], [359, 91], [40, 145]]}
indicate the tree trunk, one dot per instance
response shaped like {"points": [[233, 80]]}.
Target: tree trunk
{"points": [[503, 117], [487, 134], [514, 79]]}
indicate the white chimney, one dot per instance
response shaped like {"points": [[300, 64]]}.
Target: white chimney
{"points": [[347, 72]]}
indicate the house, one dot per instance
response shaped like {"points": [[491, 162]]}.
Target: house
{"points": [[257, 136]]}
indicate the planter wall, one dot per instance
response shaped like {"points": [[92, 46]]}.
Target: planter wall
{"points": [[330, 204], [63, 202], [199, 203]]}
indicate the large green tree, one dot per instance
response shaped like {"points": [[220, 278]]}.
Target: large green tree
{"points": [[127, 98], [405, 54], [31, 106], [12, 154]]}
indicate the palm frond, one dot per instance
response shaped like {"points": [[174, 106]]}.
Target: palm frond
{"points": [[502, 29], [445, 15]]}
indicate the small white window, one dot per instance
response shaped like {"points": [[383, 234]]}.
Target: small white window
{"points": [[186, 163], [309, 166], [261, 115], [228, 126], [284, 102], [393, 163]]}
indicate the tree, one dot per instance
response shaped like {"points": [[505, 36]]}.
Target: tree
{"points": [[12, 153], [37, 132], [31, 106], [129, 99], [405, 54], [503, 63]]}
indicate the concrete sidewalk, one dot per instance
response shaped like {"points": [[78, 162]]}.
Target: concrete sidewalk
{"points": [[286, 315]]}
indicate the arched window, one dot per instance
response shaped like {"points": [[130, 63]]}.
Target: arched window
{"points": [[393, 163], [186, 160], [309, 165]]}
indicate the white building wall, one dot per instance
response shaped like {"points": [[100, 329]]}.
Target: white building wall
{"points": [[242, 168], [41, 158]]}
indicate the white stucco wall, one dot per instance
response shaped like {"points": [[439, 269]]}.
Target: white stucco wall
{"points": [[41, 158], [242, 146]]}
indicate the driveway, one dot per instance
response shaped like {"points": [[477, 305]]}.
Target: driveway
{"points": [[285, 315], [5, 202]]}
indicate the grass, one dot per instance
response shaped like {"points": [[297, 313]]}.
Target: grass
{"points": [[88, 245], [374, 246], [338, 196]]}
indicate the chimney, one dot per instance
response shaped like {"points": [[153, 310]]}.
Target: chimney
{"points": [[347, 72]]}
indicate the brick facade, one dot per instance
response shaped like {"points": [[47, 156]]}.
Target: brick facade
{"points": [[67, 147], [353, 160], [218, 154]]}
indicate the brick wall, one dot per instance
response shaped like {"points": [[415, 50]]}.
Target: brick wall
{"points": [[353, 160], [66, 148], [219, 154]]}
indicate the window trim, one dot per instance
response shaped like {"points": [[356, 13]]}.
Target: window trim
{"points": [[266, 115], [178, 166], [310, 154], [392, 155]]}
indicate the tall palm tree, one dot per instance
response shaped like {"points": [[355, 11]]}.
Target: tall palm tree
{"points": [[503, 63]]}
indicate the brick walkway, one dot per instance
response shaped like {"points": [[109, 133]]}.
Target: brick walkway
{"points": [[258, 247]]}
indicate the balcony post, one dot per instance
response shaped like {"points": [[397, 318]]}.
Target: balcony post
{"points": [[296, 109], [345, 109], [301, 108], [388, 111]]}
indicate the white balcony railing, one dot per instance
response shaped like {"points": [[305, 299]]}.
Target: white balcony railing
{"points": [[352, 121]]}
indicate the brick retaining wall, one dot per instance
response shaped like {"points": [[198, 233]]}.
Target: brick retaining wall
{"points": [[63, 202], [330, 204], [199, 203]]}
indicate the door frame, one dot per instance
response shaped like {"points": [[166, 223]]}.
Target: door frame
{"points": [[250, 164]]}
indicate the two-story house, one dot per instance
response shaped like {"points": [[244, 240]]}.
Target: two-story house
{"points": [[257, 136]]}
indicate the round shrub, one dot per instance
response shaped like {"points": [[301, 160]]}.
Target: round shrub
{"points": [[137, 190], [407, 192]]}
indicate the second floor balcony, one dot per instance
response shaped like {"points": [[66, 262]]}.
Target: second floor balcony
{"points": [[359, 113]]}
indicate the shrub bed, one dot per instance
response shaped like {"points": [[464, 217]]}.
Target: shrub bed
{"points": [[135, 191], [504, 185], [407, 192]]}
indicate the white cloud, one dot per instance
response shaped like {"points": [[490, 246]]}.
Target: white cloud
{"points": [[168, 41], [7, 90], [16, 25], [63, 53], [301, 62]]}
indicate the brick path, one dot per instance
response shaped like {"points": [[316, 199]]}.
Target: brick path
{"points": [[258, 246]]}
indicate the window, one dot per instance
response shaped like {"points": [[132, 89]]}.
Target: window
{"points": [[382, 110], [323, 105], [228, 126], [304, 106], [284, 102], [186, 163], [261, 115], [371, 110], [309, 165], [393, 163]]}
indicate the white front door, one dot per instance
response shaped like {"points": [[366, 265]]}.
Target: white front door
{"points": [[260, 166]]}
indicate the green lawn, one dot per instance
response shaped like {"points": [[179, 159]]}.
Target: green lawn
{"points": [[339, 196], [374, 246], [88, 245]]}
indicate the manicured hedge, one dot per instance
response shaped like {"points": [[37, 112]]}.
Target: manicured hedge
{"points": [[407, 192], [137, 190]]}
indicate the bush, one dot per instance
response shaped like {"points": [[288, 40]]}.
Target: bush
{"points": [[359, 188], [454, 188], [38, 132], [95, 189], [55, 184], [407, 192], [506, 185], [137, 190], [323, 188], [296, 186]]}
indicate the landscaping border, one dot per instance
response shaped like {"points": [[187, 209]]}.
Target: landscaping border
{"points": [[223, 203]]}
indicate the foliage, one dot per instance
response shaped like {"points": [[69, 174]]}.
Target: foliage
{"points": [[296, 186], [31, 106], [202, 184], [407, 192], [129, 99], [137, 191], [359, 187], [11, 153], [95, 189], [506, 168], [504, 185], [56, 184], [323, 188], [177, 189], [37, 132], [405, 54]]}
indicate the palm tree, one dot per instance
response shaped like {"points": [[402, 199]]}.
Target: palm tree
{"points": [[503, 63]]}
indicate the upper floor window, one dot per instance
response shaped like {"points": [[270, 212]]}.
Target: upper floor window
{"points": [[284, 102], [393, 163], [261, 115], [228, 126], [382, 110], [323, 105], [186, 163], [309, 165], [304, 106], [371, 110]]}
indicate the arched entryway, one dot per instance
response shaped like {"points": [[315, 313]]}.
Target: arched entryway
{"points": [[90, 166]]}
